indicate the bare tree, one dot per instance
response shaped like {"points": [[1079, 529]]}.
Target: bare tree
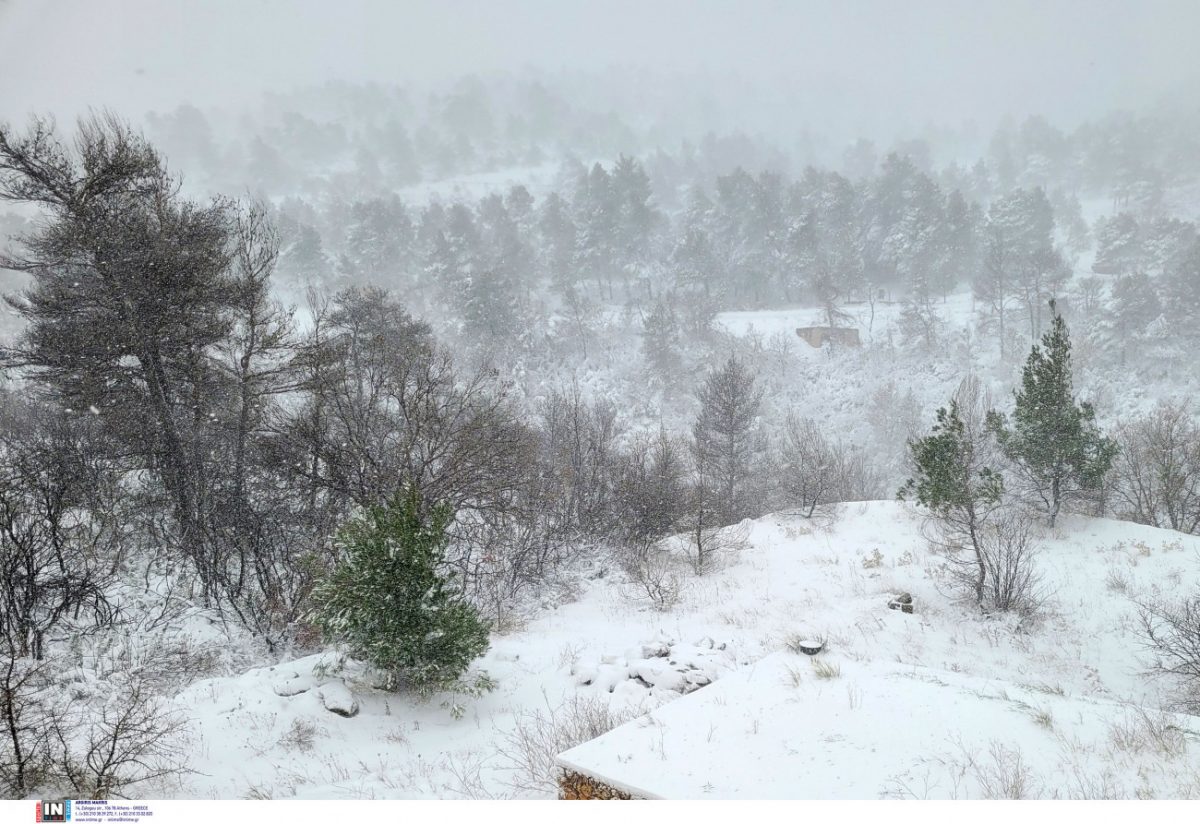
{"points": [[384, 406], [579, 447], [57, 559], [132, 738], [1041, 276], [1171, 632], [921, 324], [707, 543], [650, 492], [24, 683], [816, 472], [393, 410], [1008, 550], [1157, 470], [810, 475]]}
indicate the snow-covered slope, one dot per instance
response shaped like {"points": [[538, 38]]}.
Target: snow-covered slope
{"points": [[267, 732]]}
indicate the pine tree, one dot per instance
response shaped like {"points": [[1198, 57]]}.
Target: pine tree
{"points": [[598, 213], [636, 215], [391, 602], [1021, 265], [1181, 290], [954, 482], [556, 233], [1118, 245], [454, 256], [130, 297], [726, 440], [661, 345], [1053, 440], [379, 239], [303, 255], [1135, 305]]}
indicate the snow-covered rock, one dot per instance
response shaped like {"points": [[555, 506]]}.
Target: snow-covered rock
{"points": [[292, 684], [337, 698]]}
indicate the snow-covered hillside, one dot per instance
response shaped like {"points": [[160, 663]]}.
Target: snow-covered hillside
{"points": [[599, 655]]}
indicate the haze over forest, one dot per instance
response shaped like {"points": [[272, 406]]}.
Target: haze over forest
{"points": [[531, 399], [858, 69]]}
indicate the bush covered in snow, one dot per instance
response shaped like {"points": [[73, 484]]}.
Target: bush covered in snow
{"points": [[391, 602]]}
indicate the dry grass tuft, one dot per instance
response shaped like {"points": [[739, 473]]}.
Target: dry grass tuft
{"points": [[826, 671]]}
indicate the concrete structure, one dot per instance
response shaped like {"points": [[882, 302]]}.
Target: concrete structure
{"points": [[815, 336]]}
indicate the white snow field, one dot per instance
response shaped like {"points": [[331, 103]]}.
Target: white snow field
{"points": [[943, 702]]}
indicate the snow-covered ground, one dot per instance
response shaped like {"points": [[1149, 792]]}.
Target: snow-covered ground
{"points": [[874, 324], [470, 187], [272, 731]]}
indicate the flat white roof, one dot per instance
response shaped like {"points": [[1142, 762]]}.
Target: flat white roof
{"points": [[779, 730]]}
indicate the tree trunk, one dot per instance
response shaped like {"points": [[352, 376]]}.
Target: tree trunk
{"points": [[10, 720], [981, 581]]}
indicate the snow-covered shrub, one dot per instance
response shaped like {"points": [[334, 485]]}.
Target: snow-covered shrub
{"points": [[825, 670], [126, 736], [1146, 730], [73, 731], [655, 577], [300, 736], [874, 560], [506, 559], [1002, 774], [390, 601]]}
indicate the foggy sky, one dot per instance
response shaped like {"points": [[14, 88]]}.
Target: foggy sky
{"points": [[915, 61]]}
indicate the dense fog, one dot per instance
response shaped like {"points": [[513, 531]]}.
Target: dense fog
{"points": [[385, 343]]}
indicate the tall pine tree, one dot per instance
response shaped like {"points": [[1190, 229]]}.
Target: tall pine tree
{"points": [[1052, 439]]}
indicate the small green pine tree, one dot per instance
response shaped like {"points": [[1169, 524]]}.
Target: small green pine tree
{"points": [[391, 603], [954, 484], [1054, 441]]}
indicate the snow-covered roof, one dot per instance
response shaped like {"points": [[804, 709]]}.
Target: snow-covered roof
{"points": [[781, 729]]}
